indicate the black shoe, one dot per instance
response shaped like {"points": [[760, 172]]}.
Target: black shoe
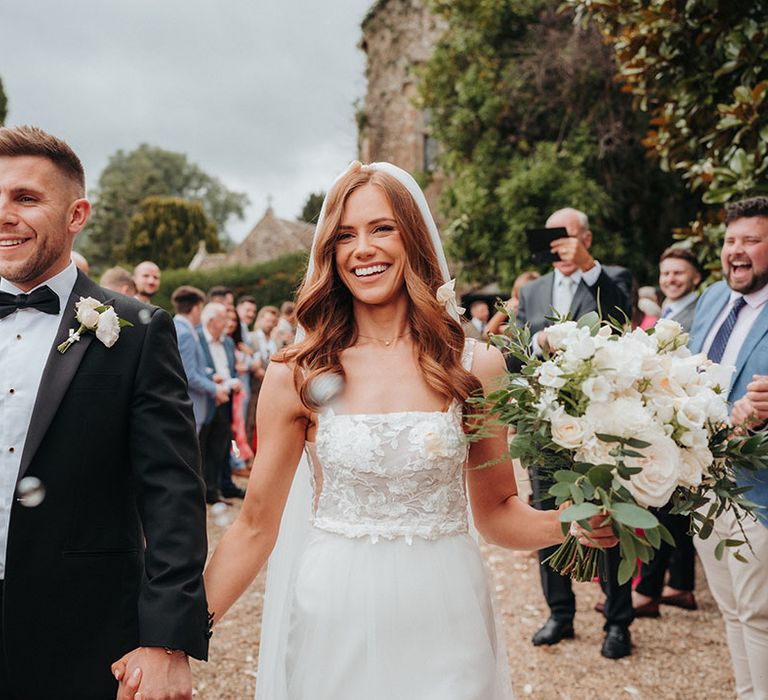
{"points": [[211, 498], [617, 643], [233, 492], [552, 632]]}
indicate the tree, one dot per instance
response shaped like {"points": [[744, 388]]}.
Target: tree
{"points": [[3, 104], [700, 69], [129, 178], [529, 119], [167, 230], [311, 209]]}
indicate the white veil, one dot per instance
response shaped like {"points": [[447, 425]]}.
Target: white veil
{"points": [[295, 523]]}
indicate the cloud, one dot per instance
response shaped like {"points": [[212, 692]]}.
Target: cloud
{"points": [[259, 94]]}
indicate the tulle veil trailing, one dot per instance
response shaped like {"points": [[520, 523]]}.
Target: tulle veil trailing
{"points": [[295, 523]]}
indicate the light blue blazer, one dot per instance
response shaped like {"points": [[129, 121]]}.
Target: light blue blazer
{"points": [[752, 359], [200, 386]]}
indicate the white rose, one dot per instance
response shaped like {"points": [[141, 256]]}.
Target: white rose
{"points": [[660, 464], [567, 431], [550, 375], [108, 328], [86, 312], [547, 403], [663, 408], [580, 344], [690, 413], [559, 332], [719, 376], [597, 388], [667, 330], [695, 438], [595, 451], [693, 465]]}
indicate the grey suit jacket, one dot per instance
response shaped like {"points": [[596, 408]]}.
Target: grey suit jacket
{"points": [[685, 316], [611, 292]]}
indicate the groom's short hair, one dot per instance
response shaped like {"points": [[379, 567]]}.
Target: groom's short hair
{"points": [[32, 141]]}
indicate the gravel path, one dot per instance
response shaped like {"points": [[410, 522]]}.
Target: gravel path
{"points": [[681, 656]]}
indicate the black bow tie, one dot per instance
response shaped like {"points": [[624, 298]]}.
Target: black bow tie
{"points": [[43, 298]]}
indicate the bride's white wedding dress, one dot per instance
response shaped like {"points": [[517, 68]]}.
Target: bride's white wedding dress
{"points": [[390, 597]]}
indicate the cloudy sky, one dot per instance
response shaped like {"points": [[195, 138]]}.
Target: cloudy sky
{"points": [[258, 93]]}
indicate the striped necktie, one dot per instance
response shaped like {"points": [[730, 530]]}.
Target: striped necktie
{"points": [[720, 342]]}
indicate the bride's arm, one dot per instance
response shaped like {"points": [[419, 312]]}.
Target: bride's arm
{"points": [[500, 516], [245, 547]]}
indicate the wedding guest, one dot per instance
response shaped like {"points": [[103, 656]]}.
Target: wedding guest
{"points": [[285, 330], [649, 304], [246, 312], [731, 326], [203, 391], [576, 285], [479, 314], [80, 262], [119, 280], [679, 278], [264, 346], [222, 295], [146, 277], [500, 318], [216, 434], [108, 562], [242, 455]]}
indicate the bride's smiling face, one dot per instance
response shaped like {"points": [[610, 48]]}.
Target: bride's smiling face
{"points": [[369, 252]]}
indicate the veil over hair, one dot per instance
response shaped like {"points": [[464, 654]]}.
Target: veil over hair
{"points": [[295, 524]]}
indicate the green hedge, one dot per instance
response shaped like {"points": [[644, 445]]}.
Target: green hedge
{"points": [[272, 282]]}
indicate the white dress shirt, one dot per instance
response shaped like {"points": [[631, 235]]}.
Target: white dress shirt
{"points": [[670, 309], [563, 290], [744, 322], [26, 339], [219, 356]]}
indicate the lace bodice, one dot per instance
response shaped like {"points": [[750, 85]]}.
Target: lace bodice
{"points": [[391, 475]]}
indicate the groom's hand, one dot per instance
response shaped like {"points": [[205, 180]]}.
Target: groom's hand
{"points": [[151, 673]]}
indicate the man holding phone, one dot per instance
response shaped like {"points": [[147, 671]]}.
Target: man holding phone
{"points": [[576, 285]]}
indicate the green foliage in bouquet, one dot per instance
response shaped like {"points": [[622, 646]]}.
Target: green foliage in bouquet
{"points": [[574, 410]]}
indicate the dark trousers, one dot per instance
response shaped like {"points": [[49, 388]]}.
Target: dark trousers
{"points": [[215, 442], [558, 590], [679, 560], [5, 683]]}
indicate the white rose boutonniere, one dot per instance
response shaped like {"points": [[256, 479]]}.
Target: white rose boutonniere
{"points": [[98, 318]]}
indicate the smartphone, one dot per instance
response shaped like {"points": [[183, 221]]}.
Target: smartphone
{"points": [[539, 240]]}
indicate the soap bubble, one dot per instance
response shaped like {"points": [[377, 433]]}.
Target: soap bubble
{"points": [[145, 316], [30, 492], [325, 388]]}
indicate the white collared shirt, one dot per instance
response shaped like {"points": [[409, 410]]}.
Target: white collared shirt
{"points": [[677, 305], [26, 339], [744, 322], [219, 356]]}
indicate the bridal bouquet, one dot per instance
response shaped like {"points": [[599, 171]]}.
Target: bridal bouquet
{"points": [[622, 422]]}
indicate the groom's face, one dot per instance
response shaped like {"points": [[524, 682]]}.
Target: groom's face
{"points": [[41, 211]]}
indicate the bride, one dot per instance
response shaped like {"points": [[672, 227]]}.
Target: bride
{"points": [[377, 589]]}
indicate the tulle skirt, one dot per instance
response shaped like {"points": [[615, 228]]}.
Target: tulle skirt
{"points": [[389, 620]]}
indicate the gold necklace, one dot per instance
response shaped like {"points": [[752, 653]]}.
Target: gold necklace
{"points": [[387, 343]]}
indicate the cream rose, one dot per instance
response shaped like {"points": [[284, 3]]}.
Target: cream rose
{"points": [[108, 327], [550, 375], [86, 312], [567, 431], [693, 465], [660, 465]]}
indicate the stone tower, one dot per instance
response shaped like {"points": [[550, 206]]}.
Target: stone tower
{"points": [[397, 36]]}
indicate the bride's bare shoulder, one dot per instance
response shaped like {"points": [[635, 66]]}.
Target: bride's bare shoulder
{"points": [[488, 364], [279, 388]]}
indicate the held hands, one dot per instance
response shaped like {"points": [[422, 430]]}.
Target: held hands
{"points": [[751, 410], [151, 673], [572, 250], [221, 396]]}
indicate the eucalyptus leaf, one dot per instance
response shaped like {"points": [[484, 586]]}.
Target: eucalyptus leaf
{"points": [[633, 516], [582, 511]]}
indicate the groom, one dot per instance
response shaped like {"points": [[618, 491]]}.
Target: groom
{"points": [[110, 562]]}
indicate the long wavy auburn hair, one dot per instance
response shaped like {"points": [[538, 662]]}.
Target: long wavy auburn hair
{"points": [[324, 304]]}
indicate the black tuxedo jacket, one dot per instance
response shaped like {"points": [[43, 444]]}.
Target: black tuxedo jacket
{"points": [[113, 556], [612, 289]]}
